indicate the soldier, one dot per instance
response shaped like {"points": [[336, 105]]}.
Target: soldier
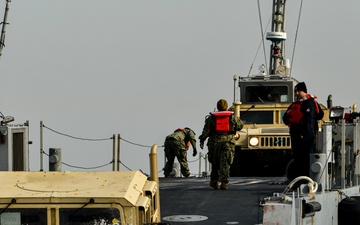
{"points": [[220, 127], [301, 116], [177, 144]]}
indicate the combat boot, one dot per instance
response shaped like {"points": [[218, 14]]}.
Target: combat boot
{"points": [[215, 185], [223, 186]]}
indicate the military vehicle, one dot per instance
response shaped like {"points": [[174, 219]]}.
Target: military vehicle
{"points": [[264, 146], [71, 197]]}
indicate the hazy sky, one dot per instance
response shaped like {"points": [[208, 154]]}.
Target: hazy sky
{"points": [[142, 68]]}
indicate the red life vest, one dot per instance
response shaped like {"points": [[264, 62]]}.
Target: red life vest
{"points": [[222, 121], [295, 115], [187, 143]]}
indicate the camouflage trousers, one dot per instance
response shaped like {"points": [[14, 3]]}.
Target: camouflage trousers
{"points": [[173, 149], [222, 156]]}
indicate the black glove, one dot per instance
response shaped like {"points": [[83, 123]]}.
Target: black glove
{"points": [[194, 152]]}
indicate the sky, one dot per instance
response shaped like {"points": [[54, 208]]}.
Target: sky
{"points": [[142, 68]]}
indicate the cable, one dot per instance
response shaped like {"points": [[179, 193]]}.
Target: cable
{"points": [[193, 161], [313, 186], [262, 33], [86, 168], [125, 166], [146, 146], [97, 139], [80, 167], [296, 35], [78, 138], [258, 49]]}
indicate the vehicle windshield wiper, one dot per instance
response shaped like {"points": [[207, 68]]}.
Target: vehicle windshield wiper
{"points": [[251, 107], [90, 201], [12, 202]]}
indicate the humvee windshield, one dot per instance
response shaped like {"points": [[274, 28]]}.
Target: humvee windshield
{"points": [[258, 117], [266, 94], [89, 216], [68, 216], [20, 216]]}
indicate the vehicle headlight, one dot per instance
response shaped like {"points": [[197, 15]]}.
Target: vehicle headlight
{"points": [[254, 141]]}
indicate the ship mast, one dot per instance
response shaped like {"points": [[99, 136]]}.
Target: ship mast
{"points": [[278, 36], [4, 23]]}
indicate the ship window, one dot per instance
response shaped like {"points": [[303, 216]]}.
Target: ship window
{"points": [[258, 117], [23, 216], [266, 94], [89, 216]]}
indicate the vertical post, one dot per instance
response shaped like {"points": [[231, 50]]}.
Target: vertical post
{"points": [[237, 108], [206, 164], [114, 152], [4, 23], [118, 153], [154, 177], [343, 152], [235, 79], [28, 143], [41, 147], [200, 154]]}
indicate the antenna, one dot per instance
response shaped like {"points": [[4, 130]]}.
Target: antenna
{"points": [[277, 36], [4, 23]]}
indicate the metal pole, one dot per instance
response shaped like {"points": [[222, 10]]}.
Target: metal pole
{"points": [[118, 153], [200, 154], [235, 79], [4, 23], [28, 145], [343, 151], [237, 108], [114, 151], [41, 147], [154, 177], [206, 164]]}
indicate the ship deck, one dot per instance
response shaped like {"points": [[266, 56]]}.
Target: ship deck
{"points": [[192, 201]]}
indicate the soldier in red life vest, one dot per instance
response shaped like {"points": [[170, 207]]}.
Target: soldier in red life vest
{"points": [[176, 145], [220, 127], [302, 118]]}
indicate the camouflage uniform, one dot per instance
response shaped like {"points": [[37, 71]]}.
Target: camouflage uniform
{"points": [[221, 148], [176, 146]]}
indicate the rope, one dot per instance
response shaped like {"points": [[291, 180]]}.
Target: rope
{"points": [[296, 35], [262, 32], [93, 139], [258, 49], [125, 166], [78, 138], [80, 167], [146, 146], [313, 186], [96, 139]]}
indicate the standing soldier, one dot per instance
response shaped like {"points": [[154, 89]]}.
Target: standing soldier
{"points": [[220, 127], [301, 117], [177, 144]]}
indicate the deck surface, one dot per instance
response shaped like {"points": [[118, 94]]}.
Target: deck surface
{"points": [[193, 201]]}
